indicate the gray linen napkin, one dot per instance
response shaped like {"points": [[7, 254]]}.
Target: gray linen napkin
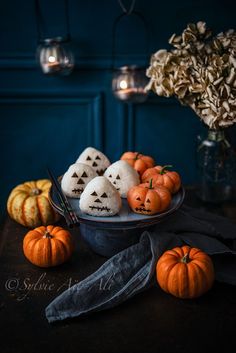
{"points": [[132, 270]]}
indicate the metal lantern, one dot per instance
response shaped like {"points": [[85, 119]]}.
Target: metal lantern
{"points": [[128, 84], [54, 54], [55, 57]]}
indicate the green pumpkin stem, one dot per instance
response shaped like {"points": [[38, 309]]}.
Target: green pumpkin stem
{"points": [[163, 169], [150, 184], [136, 157], [185, 259]]}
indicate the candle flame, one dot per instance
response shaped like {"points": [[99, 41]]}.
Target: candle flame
{"points": [[123, 84], [51, 59]]}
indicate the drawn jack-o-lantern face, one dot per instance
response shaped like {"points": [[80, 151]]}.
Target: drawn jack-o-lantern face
{"points": [[100, 198], [76, 178], [95, 159], [122, 176]]}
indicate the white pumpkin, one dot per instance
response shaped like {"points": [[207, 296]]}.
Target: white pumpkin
{"points": [[76, 178], [122, 176], [95, 159], [100, 198]]}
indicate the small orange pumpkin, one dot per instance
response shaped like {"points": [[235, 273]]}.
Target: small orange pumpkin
{"points": [[147, 200], [48, 246], [162, 176], [138, 161], [28, 204], [185, 272]]}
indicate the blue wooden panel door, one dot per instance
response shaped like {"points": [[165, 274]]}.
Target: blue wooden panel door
{"points": [[50, 120]]}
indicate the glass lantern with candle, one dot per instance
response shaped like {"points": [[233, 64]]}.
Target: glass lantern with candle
{"points": [[54, 57], [128, 84]]}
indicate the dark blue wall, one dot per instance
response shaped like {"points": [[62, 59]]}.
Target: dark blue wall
{"points": [[50, 120]]}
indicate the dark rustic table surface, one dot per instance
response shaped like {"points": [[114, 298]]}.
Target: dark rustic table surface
{"points": [[152, 321]]}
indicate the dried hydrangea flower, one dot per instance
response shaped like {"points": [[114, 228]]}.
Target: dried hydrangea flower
{"points": [[200, 71]]}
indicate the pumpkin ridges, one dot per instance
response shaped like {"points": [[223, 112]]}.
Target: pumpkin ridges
{"points": [[30, 212], [179, 252], [138, 161], [164, 268], [47, 250], [66, 246], [179, 275], [168, 182], [30, 184], [10, 203], [203, 265], [165, 197], [34, 250], [168, 254], [172, 275], [42, 184], [61, 235], [44, 249], [23, 211], [39, 209], [56, 229], [50, 228], [40, 229], [41, 251], [47, 213], [175, 179], [20, 218], [170, 179], [193, 280], [194, 252], [188, 279], [61, 249], [30, 243], [183, 278], [200, 279], [159, 199]]}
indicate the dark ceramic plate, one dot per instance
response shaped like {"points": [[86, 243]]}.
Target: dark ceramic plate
{"points": [[125, 219]]}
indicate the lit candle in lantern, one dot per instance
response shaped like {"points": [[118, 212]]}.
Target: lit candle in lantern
{"points": [[123, 84], [129, 84], [52, 62], [51, 65]]}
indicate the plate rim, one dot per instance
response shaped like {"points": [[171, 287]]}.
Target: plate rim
{"points": [[135, 223]]}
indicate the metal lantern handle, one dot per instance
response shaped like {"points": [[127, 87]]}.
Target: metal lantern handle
{"points": [[114, 32], [40, 22]]}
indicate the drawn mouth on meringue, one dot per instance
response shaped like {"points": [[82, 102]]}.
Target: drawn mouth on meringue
{"points": [[104, 208], [78, 191]]}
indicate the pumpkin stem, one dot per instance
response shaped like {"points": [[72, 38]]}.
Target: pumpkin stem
{"points": [[136, 157], [163, 169], [47, 235], [36, 191], [150, 184], [185, 259]]}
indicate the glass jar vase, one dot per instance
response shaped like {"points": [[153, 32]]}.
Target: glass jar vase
{"points": [[216, 163]]}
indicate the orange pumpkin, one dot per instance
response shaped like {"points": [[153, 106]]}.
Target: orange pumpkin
{"points": [[138, 161], [28, 204], [147, 200], [161, 176], [48, 246], [185, 272]]}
